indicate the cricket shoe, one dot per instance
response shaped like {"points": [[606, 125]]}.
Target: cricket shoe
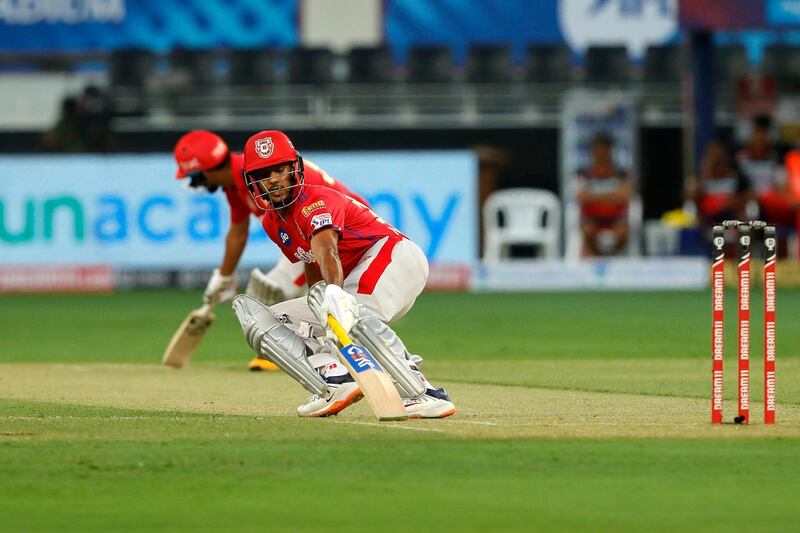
{"points": [[258, 364], [342, 392], [433, 404]]}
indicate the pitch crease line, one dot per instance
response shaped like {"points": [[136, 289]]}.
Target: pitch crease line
{"points": [[392, 426]]}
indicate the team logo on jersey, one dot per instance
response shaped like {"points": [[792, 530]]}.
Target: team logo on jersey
{"points": [[319, 204], [264, 147], [302, 255], [285, 239], [321, 220]]}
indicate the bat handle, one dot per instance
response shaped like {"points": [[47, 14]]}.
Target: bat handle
{"points": [[339, 331], [205, 309]]}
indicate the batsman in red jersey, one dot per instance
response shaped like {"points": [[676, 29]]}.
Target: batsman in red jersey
{"points": [[360, 269], [205, 161]]}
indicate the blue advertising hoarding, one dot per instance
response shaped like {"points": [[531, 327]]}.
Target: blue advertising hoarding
{"points": [[783, 12], [161, 25], [129, 212]]}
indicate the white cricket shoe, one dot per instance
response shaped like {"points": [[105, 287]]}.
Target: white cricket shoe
{"points": [[342, 392], [433, 404]]}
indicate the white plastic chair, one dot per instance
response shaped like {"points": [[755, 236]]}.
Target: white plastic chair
{"points": [[529, 216]]}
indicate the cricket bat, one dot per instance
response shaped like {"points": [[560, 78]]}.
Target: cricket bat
{"points": [[375, 384], [187, 337]]}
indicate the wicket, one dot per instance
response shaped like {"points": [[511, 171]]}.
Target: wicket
{"points": [[717, 328]]}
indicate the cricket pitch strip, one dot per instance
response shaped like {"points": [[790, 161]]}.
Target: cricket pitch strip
{"points": [[538, 409]]}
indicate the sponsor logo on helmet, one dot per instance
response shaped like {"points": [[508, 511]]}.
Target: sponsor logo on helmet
{"points": [[321, 220], [192, 164], [285, 239], [264, 147], [312, 207]]}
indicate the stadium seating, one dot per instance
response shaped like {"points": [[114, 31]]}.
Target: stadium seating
{"points": [[662, 64], [606, 64], [782, 62], [310, 66], [259, 66], [197, 68], [548, 64], [368, 64], [365, 87], [489, 64], [731, 63], [430, 64], [131, 67]]}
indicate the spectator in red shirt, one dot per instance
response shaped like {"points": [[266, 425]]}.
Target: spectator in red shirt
{"points": [[760, 163], [719, 191], [603, 192]]}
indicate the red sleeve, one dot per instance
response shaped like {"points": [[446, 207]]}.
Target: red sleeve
{"points": [[239, 211], [322, 212]]}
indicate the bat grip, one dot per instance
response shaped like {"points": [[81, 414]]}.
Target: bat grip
{"points": [[337, 329]]}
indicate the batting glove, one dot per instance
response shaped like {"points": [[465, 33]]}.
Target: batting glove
{"points": [[342, 305], [220, 288]]}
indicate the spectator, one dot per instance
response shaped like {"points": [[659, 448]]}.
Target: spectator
{"points": [[604, 193], [95, 120], [83, 126], [760, 163], [66, 135], [719, 191]]}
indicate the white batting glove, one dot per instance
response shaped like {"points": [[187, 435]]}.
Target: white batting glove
{"points": [[220, 288], [343, 306]]}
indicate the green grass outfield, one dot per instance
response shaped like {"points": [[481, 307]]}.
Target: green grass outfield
{"points": [[577, 412]]}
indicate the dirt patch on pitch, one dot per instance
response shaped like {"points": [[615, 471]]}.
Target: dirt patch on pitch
{"points": [[485, 411]]}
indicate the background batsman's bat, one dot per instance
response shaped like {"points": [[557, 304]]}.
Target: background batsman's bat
{"points": [[375, 384], [187, 337]]}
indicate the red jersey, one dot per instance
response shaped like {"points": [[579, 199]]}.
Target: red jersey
{"points": [[319, 208], [242, 203], [763, 170], [599, 181]]}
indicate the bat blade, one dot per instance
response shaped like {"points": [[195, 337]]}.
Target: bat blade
{"points": [[187, 337], [376, 385]]}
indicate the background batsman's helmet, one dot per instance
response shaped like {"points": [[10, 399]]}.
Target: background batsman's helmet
{"points": [[268, 149], [199, 150]]}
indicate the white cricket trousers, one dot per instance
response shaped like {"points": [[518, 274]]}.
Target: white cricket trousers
{"points": [[289, 277], [387, 280]]}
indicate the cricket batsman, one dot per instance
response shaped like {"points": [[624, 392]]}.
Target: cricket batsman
{"points": [[205, 161], [360, 269]]}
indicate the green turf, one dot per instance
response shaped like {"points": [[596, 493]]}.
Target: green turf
{"points": [[133, 326], [577, 412], [104, 469]]}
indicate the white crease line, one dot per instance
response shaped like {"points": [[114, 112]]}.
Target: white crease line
{"points": [[472, 422], [395, 426], [69, 417]]}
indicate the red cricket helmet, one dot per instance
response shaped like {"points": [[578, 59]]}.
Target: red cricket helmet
{"points": [[199, 150], [264, 150]]}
